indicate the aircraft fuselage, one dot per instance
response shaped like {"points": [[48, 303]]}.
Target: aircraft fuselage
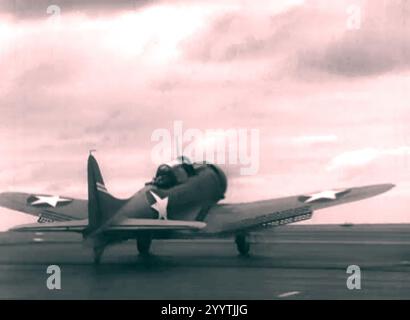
{"points": [[185, 201]]}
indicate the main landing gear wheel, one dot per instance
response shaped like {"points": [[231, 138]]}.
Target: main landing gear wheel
{"points": [[242, 244], [144, 244]]}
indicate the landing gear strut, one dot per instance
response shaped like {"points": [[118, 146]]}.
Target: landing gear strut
{"points": [[98, 252], [242, 244], [144, 244]]}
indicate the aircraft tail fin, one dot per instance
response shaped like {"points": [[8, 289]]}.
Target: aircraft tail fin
{"points": [[101, 204]]}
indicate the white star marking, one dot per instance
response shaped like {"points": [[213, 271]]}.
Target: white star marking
{"points": [[160, 206], [50, 200], [328, 194]]}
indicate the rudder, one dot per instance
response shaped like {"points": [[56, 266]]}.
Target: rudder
{"points": [[101, 204]]}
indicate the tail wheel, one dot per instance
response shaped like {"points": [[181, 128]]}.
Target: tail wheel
{"points": [[144, 244], [242, 244]]}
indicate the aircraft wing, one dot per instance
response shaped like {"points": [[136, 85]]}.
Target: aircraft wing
{"points": [[124, 225], [233, 218], [48, 208]]}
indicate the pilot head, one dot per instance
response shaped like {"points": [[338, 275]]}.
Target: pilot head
{"points": [[164, 177]]}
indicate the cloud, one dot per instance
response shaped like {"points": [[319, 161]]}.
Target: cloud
{"points": [[315, 139], [294, 43], [38, 8], [365, 156], [377, 47]]}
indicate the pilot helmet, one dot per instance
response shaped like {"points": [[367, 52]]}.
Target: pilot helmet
{"points": [[163, 170]]}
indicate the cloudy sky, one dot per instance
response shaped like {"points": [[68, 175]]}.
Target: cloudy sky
{"points": [[327, 83]]}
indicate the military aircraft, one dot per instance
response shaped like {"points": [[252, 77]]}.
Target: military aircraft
{"points": [[180, 202]]}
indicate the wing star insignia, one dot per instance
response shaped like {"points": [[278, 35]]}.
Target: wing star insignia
{"points": [[323, 195], [52, 201]]}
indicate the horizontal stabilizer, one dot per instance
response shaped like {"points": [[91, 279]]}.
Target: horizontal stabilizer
{"points": [[74, 226], [154, 224], [127, 224]]}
